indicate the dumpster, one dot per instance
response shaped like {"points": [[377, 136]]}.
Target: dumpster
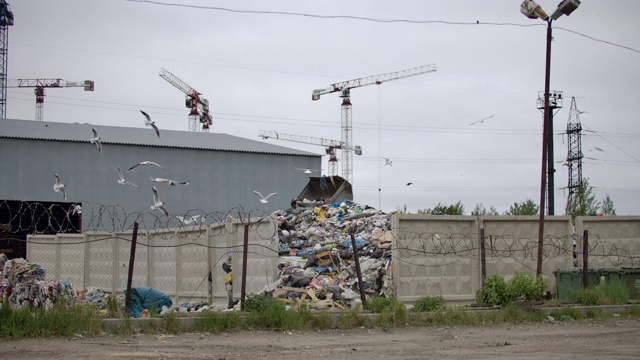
{"points": [[628, 277], [570, 280]]}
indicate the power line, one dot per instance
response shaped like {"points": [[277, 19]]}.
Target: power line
{"points": [[363, 18]]}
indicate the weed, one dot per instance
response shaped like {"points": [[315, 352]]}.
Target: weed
{"points": [[61, 320], [587, 297], [215, 322], [494, 291], [395, 314], [170, 324], [568, 314], [429, 303], [614, 292], [379, 304], [351, 319]]}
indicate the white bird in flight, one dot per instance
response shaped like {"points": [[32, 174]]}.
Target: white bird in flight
{"points": [[387, 161], [187, 221], [168, 182], [149, 122], [59, 187], [307, 171], [77, 209], [146, 163], [481, 121], [121, 179], [157, 204], [96, 140], [265, 199]]}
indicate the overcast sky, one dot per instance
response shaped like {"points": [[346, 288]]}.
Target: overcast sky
{"points": [[258, 67]]}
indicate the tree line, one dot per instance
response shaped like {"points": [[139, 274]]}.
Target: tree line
{"points": [[583, 203]]}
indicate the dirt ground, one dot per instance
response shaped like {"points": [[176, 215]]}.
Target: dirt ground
{"points": [[615, 338]]}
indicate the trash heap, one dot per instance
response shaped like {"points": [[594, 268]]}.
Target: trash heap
{"points": [[23, 285], [317, 265]]}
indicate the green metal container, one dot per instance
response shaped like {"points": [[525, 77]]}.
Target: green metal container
{"points": [[570, 280]]}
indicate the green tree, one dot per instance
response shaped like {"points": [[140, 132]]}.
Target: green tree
{"points": [[527, 207], [441, 209], [480, 210], [583, 202], [607, 206]]}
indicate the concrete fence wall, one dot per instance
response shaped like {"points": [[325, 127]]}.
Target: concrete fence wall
{"points": [[433, 255], [175, 261]]}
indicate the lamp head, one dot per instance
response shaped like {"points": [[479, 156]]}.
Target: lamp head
{"points": [[566, 7]]}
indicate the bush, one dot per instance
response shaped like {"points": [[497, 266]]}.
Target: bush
{"points": [[379, 304], [494, 291], [522, 285], [525, 286], [429, 303]]}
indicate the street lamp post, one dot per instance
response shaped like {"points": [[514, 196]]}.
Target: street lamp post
{"points": [[534, 11]]}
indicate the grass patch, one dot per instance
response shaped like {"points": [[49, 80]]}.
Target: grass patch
{"points": [[611, 293], [217, 322], [61, 320], [429, 303], [394, 314], [351, 319], [568, 314]]}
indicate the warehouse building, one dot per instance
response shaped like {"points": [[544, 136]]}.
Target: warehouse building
{"points": [[223, 171]]}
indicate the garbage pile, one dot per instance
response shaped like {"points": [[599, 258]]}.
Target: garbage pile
{"points": [[316, 263], [23, 285]]}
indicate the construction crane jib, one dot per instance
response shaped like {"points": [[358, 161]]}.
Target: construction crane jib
{"points": [[199, 106], [40, 84], [331, 146], [345, 93]]}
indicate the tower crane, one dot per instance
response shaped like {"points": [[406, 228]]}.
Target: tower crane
{"points": [[199, 105], [331, 146], [345, 93], [40, 84], [6, 20]]}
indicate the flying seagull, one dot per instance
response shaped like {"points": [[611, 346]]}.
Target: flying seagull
{"points": [[265, 199], [96, 140], [59, 187], [187, 221], [306, 171], [121, 179], [77, 209], [146, 163], [149, 122], [409, 183], [157, 204], [481, 121], [387, 161], [168, 182]]}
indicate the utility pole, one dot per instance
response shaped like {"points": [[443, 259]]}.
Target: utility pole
{"points": [[555, 102]]}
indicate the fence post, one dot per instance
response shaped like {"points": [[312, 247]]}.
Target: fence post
{"points": [[363, 296], [585, 259], [245, 255], [483, 258], [132, 261]]}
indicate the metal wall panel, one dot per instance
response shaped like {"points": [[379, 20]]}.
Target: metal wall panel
{"points": [[220, 181]]}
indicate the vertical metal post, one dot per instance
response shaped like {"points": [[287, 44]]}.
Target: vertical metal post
{"points": [[483, 258], [543, 175], [585, 259], [363, 296], [132, 260], [245, 253]]}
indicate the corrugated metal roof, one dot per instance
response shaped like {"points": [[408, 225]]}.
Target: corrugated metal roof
{"points": [[43, 130]]}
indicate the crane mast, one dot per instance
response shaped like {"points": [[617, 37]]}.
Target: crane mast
{"points": [[198, 105], [330, 145], [345, 108], [6, 20], [40, 84]]}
